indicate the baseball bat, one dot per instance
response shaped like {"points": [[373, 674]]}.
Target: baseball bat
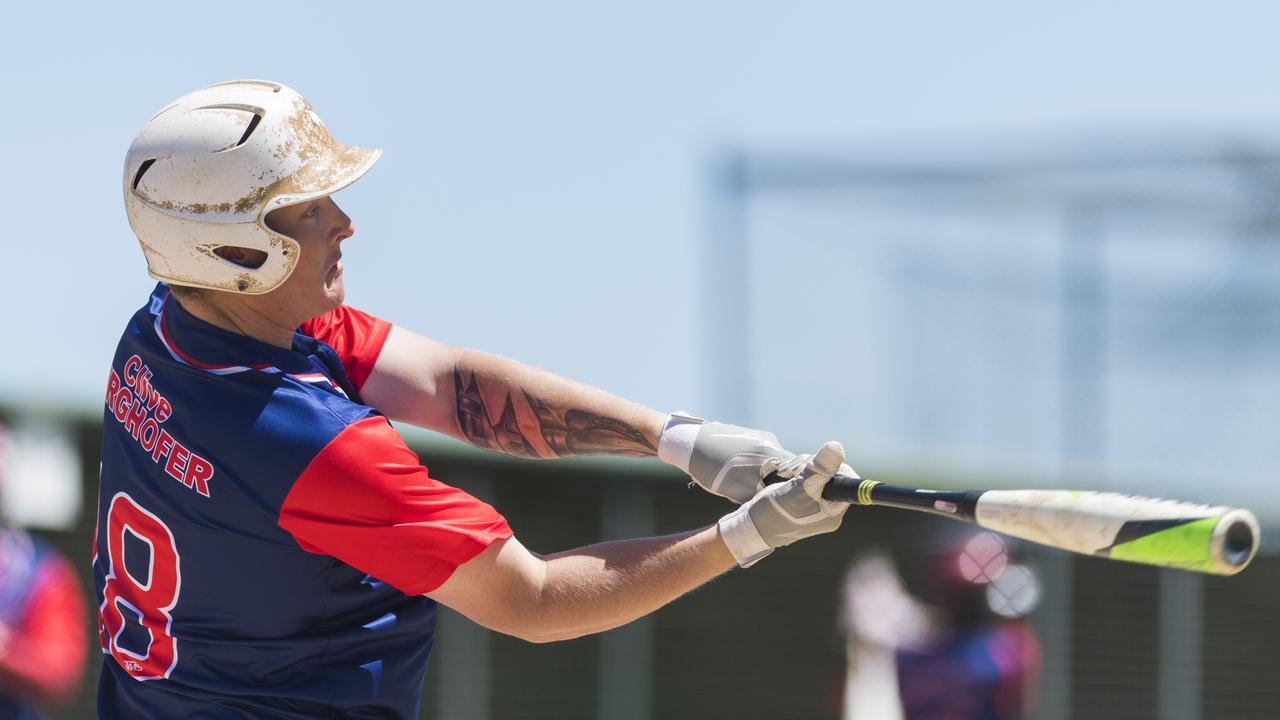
{"points": [[1168, 533]]}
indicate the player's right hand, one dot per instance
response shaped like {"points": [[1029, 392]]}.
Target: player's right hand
{"points": [[788, 511], [725, 460]]}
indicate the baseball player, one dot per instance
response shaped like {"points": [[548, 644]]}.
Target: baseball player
{"points": [[267, 545], [42, 623]]}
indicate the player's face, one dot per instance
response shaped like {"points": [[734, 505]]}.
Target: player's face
{"points": [[315, 286]]}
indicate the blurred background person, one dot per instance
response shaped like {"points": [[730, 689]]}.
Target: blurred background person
{"points": [[42, 622], [957, 650]]}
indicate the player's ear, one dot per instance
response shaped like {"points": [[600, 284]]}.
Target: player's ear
{"points": [[248, 257]]}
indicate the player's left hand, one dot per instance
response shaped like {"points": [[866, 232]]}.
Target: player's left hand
{"points": [[725, 460], [787, 511]]}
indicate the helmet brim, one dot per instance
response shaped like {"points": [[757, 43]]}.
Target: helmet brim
{"points": [[326, 174]]}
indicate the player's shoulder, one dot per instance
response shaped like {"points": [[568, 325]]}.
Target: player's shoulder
{"points": [[343, 321], [310, 399], [245, 389], [302, 418], [354, 335], [154, 304], [143, 319]]}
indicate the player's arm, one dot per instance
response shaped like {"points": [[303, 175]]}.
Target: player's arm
{"points": [[566, 595], [591, 589], [366, 501], [503, 405]]}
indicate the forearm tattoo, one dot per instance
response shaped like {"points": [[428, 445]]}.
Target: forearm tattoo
{"points": [[535, 429]]}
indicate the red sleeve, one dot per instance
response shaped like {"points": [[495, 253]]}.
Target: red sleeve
{"points": [[367, 501], [45, 654], [357, 337]]}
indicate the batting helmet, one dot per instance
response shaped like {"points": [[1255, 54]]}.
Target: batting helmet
{"points": [[206, 170]]}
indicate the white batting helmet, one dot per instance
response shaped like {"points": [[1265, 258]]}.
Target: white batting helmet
{"points": [[206, 170]]}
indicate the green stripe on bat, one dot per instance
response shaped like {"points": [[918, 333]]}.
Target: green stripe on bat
{"points": [[1185, 546]]}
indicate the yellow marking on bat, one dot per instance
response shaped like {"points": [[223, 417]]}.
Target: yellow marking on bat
{"points": [[864, 491]]}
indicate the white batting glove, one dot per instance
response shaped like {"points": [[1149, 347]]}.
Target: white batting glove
{"points": [[785, 512], [726, 460]]}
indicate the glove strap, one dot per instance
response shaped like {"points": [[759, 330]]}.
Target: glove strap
{"points": [[675, 444], [742, 538]]}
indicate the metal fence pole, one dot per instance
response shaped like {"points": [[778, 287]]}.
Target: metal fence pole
{"points": [[1082, 427], [1181, 646], [625, 677], [466, 683], [724, 305]]}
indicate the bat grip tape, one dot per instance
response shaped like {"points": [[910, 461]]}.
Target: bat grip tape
{"points": [[840, 487]]}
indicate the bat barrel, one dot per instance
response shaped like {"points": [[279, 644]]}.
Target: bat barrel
{"points": [[1151, 531], [1168, 533]]}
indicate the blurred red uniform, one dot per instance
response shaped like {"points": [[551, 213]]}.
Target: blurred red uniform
{"points": [[43, 642], [43, 635]]}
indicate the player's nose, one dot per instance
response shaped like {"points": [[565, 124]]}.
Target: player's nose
{"points": [[345, 227]]}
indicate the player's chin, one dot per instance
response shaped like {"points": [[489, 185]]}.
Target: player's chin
{"points": [[335, 290]]}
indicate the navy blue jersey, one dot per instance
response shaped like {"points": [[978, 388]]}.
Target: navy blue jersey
{"points": [[264, 538]]}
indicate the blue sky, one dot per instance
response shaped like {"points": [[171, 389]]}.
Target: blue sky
{"points": [[542, 191]]}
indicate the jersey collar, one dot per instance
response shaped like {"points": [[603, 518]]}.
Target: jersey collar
{"points": [[194, 342]]}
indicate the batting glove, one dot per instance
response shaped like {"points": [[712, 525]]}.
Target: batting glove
{"points": [[726, 460], [785, 512]]}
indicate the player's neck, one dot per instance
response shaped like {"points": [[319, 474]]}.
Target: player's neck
{"points": [[243, 316]]}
